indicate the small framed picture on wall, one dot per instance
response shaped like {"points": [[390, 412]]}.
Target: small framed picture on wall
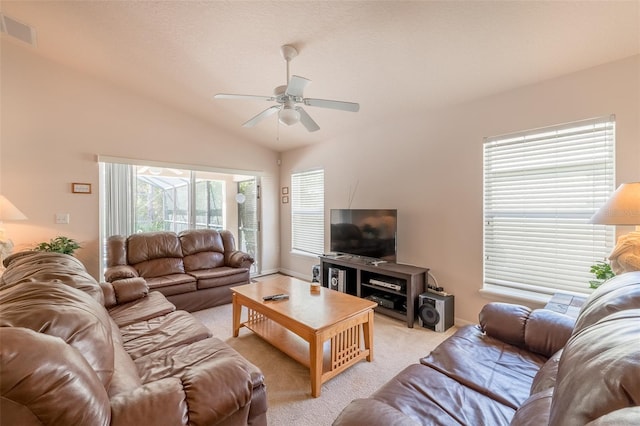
{"points": [[285, 190], [81, 188], [285, 199]]}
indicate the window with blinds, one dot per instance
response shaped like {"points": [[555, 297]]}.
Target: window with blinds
{"points": [[541, 187], [307, 212]]}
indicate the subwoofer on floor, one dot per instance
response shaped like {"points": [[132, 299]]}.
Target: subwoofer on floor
{"points": [[435, 312]]}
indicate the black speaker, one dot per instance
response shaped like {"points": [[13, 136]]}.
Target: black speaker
{"points": [[316, 276], [337, 280], [435, 312]]}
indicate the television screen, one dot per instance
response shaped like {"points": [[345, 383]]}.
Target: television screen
{"points": [[364, 232]]}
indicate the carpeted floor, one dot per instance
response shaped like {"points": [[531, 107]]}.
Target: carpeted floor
{"points": [[288, 384]]}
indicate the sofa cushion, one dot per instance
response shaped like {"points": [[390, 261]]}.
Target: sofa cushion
{"points": [[173, 284], [154, 254], [156, 283], [125, 374], [202, 366], [222, 276], [203, 260], [602, 357], [535, 410], [547, 375], [151, 306], [202, 249], [160, 267], [63, 389], [487, 365], [59, 310], [171, 330], [431, 398], [152, 245]]}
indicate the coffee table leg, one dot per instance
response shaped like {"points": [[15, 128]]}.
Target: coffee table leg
{"points": [[237, 310], [315, 365], [367, 329]]}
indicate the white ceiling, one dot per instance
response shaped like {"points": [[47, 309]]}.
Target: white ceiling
{"points": [[392, 57]]}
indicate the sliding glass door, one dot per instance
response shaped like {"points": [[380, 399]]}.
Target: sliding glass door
{"points": [[142, 198]]}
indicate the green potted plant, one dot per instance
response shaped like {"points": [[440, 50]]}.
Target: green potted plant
{"points": [[59, 245], [602, 271]]}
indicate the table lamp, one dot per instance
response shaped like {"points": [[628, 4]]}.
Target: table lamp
{"points": [[623, 208], [7, 212]]}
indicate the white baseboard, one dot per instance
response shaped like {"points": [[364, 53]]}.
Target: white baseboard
{"points": [[295, 274]]}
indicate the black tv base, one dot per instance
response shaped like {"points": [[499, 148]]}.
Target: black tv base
{"points": [[396, 285]]}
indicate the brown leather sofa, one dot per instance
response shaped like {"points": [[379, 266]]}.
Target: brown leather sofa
{"points": [[75, 352], [524, 368], [194, 269]]}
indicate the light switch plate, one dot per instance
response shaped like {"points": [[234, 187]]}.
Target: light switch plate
{"points": [[62, 218]]}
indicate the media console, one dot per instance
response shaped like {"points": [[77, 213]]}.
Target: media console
{"points": [[394, 286]]}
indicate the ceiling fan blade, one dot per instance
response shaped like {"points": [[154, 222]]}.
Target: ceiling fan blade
{"points": [[307, 121], [264, 114], [324, 103], [296, 86], [247, 97]]}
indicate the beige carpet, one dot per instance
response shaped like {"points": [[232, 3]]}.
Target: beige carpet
{"points": [[288, 384]]}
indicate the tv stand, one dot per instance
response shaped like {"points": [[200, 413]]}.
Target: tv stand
{"points": [[396, 285]]}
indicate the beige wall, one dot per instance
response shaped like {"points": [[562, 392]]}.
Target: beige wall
{"points": [[428, 165], [55, 121]]}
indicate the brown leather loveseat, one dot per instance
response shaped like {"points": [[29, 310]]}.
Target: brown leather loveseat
{"points": [[524, 368], [75, 352], [194, 269]]}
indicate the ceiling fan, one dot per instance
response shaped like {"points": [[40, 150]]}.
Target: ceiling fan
{"points": [[288, 97]]}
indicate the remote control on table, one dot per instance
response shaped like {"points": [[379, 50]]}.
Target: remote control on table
{"points": [[280, 296]]}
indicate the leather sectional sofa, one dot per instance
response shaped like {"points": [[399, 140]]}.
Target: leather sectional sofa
{"points": [[75, 352], [194, 269], [524, 368]]}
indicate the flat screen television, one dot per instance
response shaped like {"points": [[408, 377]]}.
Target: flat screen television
{"points": [[369, 233]]}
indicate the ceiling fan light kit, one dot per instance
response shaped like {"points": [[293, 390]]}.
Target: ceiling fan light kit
{"points": [[288, 96], [288, 116]]}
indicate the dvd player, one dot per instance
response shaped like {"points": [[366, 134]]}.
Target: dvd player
{"points": [[392, 286]]}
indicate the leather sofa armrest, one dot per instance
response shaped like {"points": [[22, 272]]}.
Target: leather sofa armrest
{"points": [[124, 291], [541, 331], [154, 403], [240, 259], [547, 331], [505, 321], [120, 272], [202, 382]]}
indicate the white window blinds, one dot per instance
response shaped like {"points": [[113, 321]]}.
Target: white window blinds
{"points": [[540, 190], [307, 211]]}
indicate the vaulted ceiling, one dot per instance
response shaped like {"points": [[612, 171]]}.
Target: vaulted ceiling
{"points": [[392, 57]]}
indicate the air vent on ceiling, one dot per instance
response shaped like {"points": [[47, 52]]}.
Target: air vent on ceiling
{"points": [[17, 30]]}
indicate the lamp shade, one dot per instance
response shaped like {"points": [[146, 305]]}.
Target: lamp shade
{"points": [[622, 208], [8, 211]]}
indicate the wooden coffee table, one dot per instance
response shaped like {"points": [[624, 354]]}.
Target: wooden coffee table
{"points": [[318, 329]]}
